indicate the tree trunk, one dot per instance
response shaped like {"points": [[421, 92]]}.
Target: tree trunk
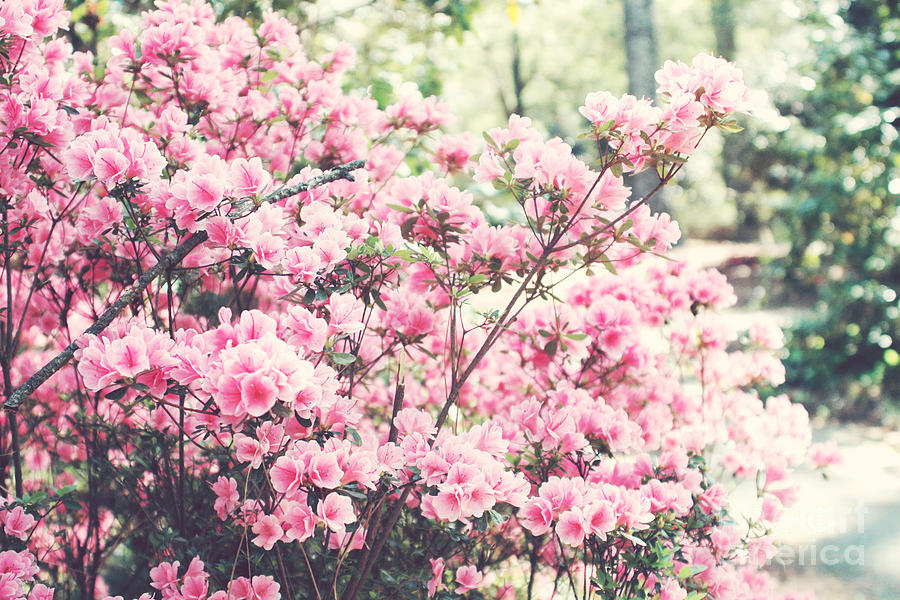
{"points": [[723, 22], [642, 62], [747, 223], [517, 78]]}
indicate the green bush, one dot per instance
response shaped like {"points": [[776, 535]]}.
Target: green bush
{"points": [[842, 169]]}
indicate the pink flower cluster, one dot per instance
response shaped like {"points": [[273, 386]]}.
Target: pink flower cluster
{"points": [[17, 574], [16, 522], [113, 156], [715, 83], [107, 359], [468, 473], [33, 19], [697, 96], [578, 511], [419, 114], [193, 584]]}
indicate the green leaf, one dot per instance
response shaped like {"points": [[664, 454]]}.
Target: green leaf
{"points": [[35, 140], [511, 145], [407, 226], [496, 517], [33, 498], [353, 493], [379, 302], [688, 571], [603, 127], [674, 158], [381, 90], [342, 358], [551, 347], [353, 435], [729, 126], [117, 394], [635, 540], [66, 489], [400, 208]]}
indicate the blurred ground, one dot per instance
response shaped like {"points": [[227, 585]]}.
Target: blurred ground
{"points": [[844, 530]]}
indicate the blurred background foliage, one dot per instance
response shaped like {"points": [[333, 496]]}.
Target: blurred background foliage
{"points": [[839, 167], [814, 177]]}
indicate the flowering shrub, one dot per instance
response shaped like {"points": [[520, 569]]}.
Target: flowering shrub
{"points": [[286, 380]]}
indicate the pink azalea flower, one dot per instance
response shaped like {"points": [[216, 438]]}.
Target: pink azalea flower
{"points": [[239, 589], [164, 575], [110, 166], [826, 454], [672, 591], [258, 394], [268, 531], [248, 177], [40, 592], [448, 504], [713, 499], [537, 516], [248, 450], [771, 509], [571, 527], [468, 578], [761, 551], [324, 472], [195, 587], [286, 474], [336, 511], [79, 161], [300, 521], [437, 572], [225, 489], [263, 587], [310, 331], [346, 314], [128, 356], [254, 325], [600, 518], [16, 522]]}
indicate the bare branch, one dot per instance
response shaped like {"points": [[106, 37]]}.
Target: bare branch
{"points": [[168, 261]]}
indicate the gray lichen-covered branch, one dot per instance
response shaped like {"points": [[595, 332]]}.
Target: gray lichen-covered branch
{"points": [[168, 261]]}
